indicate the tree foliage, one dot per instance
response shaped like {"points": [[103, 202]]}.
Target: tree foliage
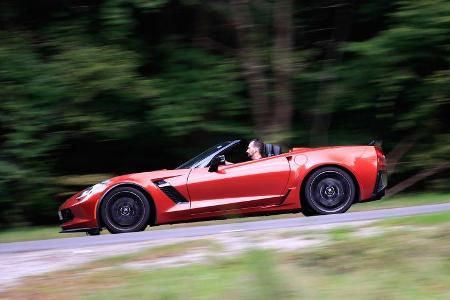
{"points": [[107, 87], [402, 74]]}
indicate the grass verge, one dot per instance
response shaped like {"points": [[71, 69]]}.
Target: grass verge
{"points": [[428, 219], [402, 201], [33, 233]]}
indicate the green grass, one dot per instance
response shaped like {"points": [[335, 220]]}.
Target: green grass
{"points": [[252, 276], [33, 233], [50, 232], [428, 219], [394, 265], [341, 233], [402, 201]]}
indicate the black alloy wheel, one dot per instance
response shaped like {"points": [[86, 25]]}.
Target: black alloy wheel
{"points": [[125, 209], [328, 190]]}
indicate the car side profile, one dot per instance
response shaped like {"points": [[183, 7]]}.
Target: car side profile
{"points": [[315, 181]]}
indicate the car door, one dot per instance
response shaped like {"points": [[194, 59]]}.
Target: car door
{"points": [[238, 186]]}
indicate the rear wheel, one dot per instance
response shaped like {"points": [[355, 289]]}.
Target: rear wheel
{"points": [[328, 190], [125, 209]]}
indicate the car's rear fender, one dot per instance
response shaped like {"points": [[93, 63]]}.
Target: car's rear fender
{"points": [[358, 161]]}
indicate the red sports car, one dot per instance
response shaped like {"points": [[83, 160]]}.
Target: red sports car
{"points": [[315, 181]]}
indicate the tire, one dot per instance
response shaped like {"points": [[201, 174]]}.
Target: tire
{"points": [[93, 232], [328, 190], [307, 212], [125, 209]]}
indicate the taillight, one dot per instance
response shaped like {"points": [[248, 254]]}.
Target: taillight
{"points": [[381, 159]]}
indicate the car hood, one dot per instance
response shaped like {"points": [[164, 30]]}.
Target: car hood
{"points": [[149, 176]]}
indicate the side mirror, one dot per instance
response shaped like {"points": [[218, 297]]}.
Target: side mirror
{"points": [[217, 161]]}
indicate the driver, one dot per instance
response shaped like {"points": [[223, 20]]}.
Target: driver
{"points": [[255, 149]]}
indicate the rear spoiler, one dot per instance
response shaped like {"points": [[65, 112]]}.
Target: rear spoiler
{"points": [[376, 143]]}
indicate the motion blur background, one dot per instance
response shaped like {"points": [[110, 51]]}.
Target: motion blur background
{"points": [[93, 89]]}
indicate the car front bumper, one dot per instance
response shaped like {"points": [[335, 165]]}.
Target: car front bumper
{"points": [[79, 215]]}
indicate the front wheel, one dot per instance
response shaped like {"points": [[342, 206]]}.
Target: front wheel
{"points": [[328, 190], [125, 209], [93, 232]]}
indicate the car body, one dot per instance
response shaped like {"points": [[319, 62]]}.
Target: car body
{"points": [[303, 179]]}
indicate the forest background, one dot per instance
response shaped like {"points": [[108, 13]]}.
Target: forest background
{"points": [[93, 89]]}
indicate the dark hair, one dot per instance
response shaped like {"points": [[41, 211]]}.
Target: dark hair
{"points": [[258, 144]]}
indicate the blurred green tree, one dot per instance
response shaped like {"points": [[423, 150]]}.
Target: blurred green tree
{"points": [[58, 88], [198, 92], [268, 72], [95, 79], [80, 90], [405, 69]]}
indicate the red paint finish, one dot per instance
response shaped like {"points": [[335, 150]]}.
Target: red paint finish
{"points": [[271, 184], [243, 185]]}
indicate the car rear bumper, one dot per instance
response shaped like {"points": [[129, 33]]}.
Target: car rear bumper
{"points": [[380, 186]]}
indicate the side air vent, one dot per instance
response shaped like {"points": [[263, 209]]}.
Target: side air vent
{"points": [[170, 191]]}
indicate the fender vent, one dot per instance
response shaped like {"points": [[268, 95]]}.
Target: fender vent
{"points": [[170, 191]]}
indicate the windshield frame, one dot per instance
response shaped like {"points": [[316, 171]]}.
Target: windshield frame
{"points": [[203, 159]]}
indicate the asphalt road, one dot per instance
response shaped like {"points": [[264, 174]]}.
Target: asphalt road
{"points": [[200, 231]]}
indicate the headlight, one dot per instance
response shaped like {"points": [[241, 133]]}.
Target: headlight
{"points": [[93, 189]]}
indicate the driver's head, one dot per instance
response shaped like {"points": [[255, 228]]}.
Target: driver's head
{"points": [[255, 149]]}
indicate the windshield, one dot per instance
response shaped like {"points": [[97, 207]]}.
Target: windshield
{"points": [[204, 156]]}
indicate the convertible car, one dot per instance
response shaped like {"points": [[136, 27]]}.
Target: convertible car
{"points": [[315, 181]]}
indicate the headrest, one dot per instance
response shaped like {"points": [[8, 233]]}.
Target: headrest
{"points": [[268, 149], [271, 150], [276, 149]]}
